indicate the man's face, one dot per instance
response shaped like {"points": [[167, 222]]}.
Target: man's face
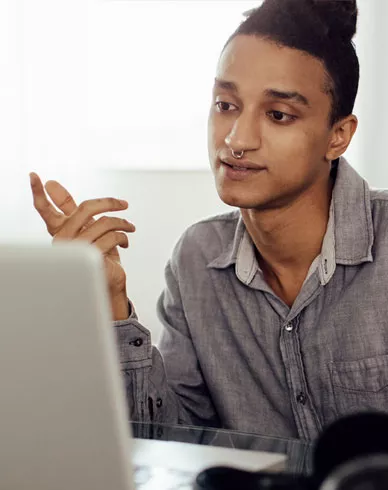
{"points": [[270, 102]]}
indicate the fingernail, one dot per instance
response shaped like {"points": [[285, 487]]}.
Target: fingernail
{"points": [[123, 203]]}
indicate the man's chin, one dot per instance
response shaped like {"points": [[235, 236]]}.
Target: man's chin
{"points": [[238, 201], [247, 202], [239, 195]]}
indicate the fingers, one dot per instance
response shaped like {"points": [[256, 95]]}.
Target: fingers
{"points": [[60, 197], [104, 225], [53, 218], [112, 240], [76, 220], [85, 212]]}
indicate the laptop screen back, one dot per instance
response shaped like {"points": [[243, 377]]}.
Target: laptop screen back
{"points": [[63, 422]]}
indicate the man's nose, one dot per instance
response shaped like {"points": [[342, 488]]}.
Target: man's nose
{"points": [[245, 134]]}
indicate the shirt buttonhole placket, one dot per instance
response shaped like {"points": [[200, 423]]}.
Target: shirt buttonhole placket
{"points": [[325, 268]]}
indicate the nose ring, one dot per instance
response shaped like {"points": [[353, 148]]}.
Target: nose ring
{"points": [[238, 154]]}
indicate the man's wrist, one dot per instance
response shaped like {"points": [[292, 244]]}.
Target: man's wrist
{"points": [[120, 307]]}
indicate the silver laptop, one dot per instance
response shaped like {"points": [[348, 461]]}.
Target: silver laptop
{"points": [[63, 418]]}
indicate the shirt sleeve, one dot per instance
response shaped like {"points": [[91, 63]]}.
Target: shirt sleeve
{"points": [[164, 384]]}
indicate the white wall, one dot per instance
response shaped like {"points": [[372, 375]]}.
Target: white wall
{"points": [[372, 100]]}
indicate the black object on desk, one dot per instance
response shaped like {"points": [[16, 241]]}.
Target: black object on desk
{"points": [[222, 478], [351, 454]]}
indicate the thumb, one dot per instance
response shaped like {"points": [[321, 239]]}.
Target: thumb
{"points": [[60, 197]]}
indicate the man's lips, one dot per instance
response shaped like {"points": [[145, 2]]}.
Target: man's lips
{"points": [[241, 164], [239, 170]]}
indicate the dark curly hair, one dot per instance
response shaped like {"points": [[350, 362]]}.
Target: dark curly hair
{"points": [[322, 28]]}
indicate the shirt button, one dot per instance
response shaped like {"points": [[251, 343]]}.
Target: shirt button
{"points": [[301, 398], [289, 327], [159, 402], [137, 342]]}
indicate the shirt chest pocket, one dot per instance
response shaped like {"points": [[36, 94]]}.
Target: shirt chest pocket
{"points": [[360, 385]]}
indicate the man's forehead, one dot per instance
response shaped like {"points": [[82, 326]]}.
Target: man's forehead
{"points": [[255, 64]]}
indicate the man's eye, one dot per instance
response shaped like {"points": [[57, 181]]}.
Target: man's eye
{"points": [[279, 116], [225, 106]]}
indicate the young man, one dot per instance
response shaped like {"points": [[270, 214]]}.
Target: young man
{"points": [[275, 316]]}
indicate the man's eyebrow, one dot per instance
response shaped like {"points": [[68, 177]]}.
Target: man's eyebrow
{"points": [[271, 92], [292, 96], [225, 85]]}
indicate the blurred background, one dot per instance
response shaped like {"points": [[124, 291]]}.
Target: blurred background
{"points": [[110, 97]]}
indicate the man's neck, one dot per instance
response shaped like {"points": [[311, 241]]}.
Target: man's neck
{"points": [[289, 239]]}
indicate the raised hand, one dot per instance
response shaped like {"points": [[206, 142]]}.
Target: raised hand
{"points": [[74, 222]]}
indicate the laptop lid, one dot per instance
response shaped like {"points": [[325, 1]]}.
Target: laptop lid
{"points": [[63, 421]]}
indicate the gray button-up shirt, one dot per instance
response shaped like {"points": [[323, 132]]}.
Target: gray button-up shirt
{"points": [[233, 354]]}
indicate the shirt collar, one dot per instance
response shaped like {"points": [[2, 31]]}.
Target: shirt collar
{"points": [[325, 262], [229, 255], [348, 239], [240, 252], [353, 217]]}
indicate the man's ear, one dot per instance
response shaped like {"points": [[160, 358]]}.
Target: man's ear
{"points": [[342, 134]]}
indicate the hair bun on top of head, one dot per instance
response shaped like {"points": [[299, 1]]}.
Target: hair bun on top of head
{"points": [[340, 17]]}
